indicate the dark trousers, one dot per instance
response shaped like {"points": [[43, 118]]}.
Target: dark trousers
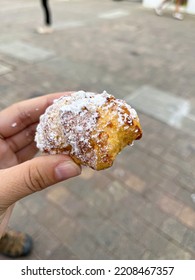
{"points": [[47, 13]]}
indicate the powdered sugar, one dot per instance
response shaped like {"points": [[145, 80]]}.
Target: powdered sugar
{"points": [[132, 112], [81, 100], [14, 124], [70, 125]]}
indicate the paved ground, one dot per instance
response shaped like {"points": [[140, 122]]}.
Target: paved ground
{"points": [[143, 207]]}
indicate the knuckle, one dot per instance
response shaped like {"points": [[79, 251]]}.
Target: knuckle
{"points": [[24, 117], [34, 180], [31, 132]]}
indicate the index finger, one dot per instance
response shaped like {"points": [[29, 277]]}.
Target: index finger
{"points": [[22, 114]]}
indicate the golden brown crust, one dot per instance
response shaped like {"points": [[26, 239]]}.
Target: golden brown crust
{"points": [[91, 128], [114, 137]]}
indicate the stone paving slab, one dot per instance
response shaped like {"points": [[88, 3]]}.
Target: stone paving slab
{"points": [[68, 24], [188, 123], [24, 51], [163, 106], [114, 14], [4, 69]]}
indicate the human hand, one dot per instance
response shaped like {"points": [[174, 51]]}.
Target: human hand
{"points": [[20, 175]]}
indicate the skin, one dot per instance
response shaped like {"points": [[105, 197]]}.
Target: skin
{"points": [[20, 173]]}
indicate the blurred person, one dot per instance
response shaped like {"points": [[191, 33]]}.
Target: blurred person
{"points": [[47, 27], [20, 173], [176, 13]]}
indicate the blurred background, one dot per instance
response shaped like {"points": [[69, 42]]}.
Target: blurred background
{"points": [[144, 206]]}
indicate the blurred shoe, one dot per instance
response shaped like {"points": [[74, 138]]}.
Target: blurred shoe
{"points": [[44, 30], [159, 11], [178, 16], [15, 244]]}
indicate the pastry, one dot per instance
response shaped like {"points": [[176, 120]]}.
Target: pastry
{"points": [[91, 128]]}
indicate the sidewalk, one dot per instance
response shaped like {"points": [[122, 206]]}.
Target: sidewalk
{"points": [[143, 207]]}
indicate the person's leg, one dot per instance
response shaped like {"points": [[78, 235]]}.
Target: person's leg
{"points": [[177, 14], [178, 2], [162, 4], [46, 29], [160, 7], [47, 12]]}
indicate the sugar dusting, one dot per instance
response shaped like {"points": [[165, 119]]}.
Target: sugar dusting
{"points": [[81, 100], [68, 124], [14, 124]]}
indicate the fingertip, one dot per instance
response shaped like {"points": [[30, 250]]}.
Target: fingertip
{"points": [[66, 170]]}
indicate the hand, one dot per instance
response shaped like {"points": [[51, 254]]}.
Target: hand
{"points": [[20, 175]]}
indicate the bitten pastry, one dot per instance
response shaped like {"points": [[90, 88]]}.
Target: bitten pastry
{"points": [[91, 128]]}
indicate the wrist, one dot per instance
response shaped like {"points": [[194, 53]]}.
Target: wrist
{"points": [[4, 219], [2, 215]]}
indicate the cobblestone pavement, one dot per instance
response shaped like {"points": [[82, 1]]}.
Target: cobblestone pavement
{"points": [[144, 206]]}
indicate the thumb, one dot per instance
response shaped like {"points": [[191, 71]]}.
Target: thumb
{"points": [[34, 175]]}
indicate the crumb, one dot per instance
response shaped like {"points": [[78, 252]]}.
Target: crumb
{"points": [[14, 124]]}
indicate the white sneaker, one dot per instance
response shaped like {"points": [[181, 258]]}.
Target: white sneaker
{"points": [[44, 30], [178, 16], [158, 11]]}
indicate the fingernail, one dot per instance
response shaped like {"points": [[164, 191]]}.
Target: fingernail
{"points": [[66, 170]]}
